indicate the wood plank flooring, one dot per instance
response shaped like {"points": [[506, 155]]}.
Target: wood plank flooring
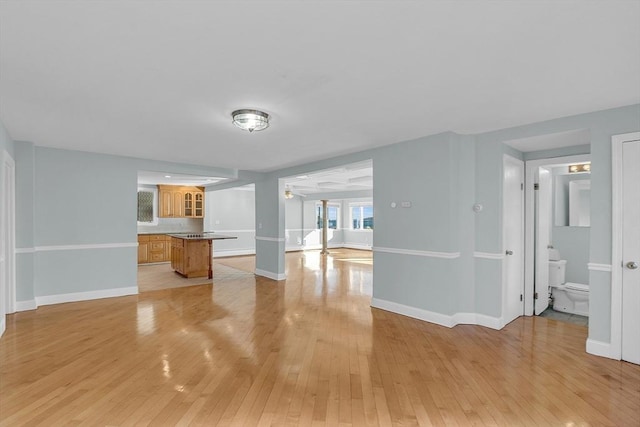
{"points": [[305, 351]]}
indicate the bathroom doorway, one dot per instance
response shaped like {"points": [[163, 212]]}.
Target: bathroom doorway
{"points": [[558, 237]]}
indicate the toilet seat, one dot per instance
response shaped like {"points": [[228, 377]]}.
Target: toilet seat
{"points": [[577, 286]]}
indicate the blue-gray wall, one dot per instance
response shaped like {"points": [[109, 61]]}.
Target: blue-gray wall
{"points": [[76, 222]]}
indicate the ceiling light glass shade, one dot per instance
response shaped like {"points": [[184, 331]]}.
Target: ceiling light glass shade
{"points": [[250, 120], [288, 194]]}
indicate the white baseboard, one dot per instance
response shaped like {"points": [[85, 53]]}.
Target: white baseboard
{"points": [[294, 248], [238, 252], [3, 325], [478, 319], [357, 246], [86, 296], [439, 318], [599, 348], [416, 313], [26, 305], [315, 247], [270, 275]]}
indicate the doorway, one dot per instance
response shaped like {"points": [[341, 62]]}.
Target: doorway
{"points": [[625, 271], [551, 236]]}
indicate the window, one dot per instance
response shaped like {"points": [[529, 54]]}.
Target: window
{"points": [[147, 202], [332, 216], [361, 217]]}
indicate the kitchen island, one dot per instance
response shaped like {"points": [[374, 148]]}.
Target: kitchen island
{"points": [[192, 253]]}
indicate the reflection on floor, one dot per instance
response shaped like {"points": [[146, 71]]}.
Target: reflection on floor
{"points": [[155, 277], [550, 313], [309, 350]]}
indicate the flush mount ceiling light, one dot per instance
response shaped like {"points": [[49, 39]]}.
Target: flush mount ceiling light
{"points": [[250, 119]]}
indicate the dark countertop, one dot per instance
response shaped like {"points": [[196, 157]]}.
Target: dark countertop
{"points": [[148, 233], [201, 236]]}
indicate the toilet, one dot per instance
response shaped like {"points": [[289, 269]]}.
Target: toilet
{"points": [[568, 297]]}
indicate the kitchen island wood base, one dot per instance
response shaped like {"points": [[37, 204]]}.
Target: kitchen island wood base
{"points": [[192, 255]]}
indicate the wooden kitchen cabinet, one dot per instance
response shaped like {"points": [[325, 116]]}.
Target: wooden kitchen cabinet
{"points": [[143, 249], [180, 201], [154, 248]]}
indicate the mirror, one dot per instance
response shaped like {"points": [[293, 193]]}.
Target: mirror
{"points": [[572, 198], [580, 203]]}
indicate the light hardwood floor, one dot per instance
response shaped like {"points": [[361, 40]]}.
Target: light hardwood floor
{"points": [[305, 351]]}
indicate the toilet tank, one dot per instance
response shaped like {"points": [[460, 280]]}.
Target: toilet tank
{"points": [[557, 271]]}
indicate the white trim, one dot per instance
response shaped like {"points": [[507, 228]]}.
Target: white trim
{"points": [[270, 239], [488, 255], [26, 305], [86, 296], [496, 323], [270, 275], [592, 266], [8, 231], [3, 325], [357, 246], [599, 348], [236, 252], [84, 247], [233, 231], [25, 250], [430, 254], [616, 240], [438, 318], [416, 313], [319, 246], [529, 222]]}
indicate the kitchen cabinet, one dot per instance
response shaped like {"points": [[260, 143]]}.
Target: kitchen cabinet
{"points": [[180, 201], [143, 249], [154, 248]]}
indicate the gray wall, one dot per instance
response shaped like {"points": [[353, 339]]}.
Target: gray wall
{"points": [[76, 230]]}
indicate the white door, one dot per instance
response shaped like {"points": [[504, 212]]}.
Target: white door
{"points": [[631, 252], [543, 232], [513, 238], [3, 239]]}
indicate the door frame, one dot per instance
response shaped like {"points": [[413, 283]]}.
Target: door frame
{"points": [[615, 348], [8, 219], [530, 218]]}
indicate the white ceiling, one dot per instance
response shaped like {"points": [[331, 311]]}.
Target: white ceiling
{"points": [[552, 140], [159, 79], [168, 178], [352, 177]]}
